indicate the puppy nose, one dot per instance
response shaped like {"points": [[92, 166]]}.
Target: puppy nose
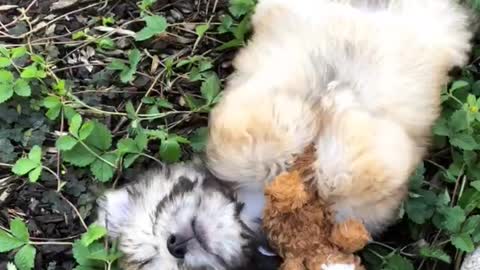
{"points": [[177, 246]]}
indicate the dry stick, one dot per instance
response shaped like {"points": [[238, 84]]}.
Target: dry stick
{"points": [[433, 244], [41, 239], [18, 18], [75, 210], [455, 189], [150, 90], [87, 42], [46, 242], [104, 5], [215, 6], [458, 260], [59, 186], [50, 22], [57, 177], [51, 243]]}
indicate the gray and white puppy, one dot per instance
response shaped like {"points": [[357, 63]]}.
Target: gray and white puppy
{"points": [[181, 217]]}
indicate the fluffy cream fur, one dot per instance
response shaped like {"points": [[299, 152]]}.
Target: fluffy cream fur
{"points": [[362, 79]]}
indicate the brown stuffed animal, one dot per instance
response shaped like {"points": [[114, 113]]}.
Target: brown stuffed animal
{"points": [[301, 228]]}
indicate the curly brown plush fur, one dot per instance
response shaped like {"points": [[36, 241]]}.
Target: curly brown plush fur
{"points": [[301, 228]]}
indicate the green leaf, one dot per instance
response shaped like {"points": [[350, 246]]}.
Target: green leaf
{"points": [[464, 141], [4, 62], [35, 154], [79, 35], [75, 124], [129, 159], [134, 58], [200, 30], [6, 85], [141, 140], [158, 24], [117, 65], [18, 52], [199, 139], [241, 7], [106, 43], [4, 51], [86, 130], [66, 142], [164, 104], [34, 174], [397, 262], [435, 253], [8, 242], [79, 156], [60, 87], [470, 200], [170, 150], [6, 76], [53, 113], [130, 110], [226, 24], [144, 34], [6, 92], [102, 171], [94, 232], [456, 85], [25, 257], [154, 25], [463, 242], [422, 207], [476, 185], [417, 179], [23, 166], [472, 224], [210, 88], [127, 146], [157, 133], [80, 253], [22, 88], [31, 72], [459, 121], [51, 102], [100, 137], [453, 218], [19, 230], [69, 112]]}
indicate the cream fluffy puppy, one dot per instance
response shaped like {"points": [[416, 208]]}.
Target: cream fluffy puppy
{"points": [[360, 79]]}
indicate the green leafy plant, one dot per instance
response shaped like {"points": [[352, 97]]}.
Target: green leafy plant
{"points": [[15, 79], [210, 94], [31, 165], [241, 7], [127, 71], [132, 148], [89, 253], [18, 240], [87, 145], [155, 25], [144, 5]]}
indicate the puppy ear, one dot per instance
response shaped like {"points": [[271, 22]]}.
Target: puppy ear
{"points": [[114, 210]]}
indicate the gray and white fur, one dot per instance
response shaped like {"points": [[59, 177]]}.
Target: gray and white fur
{"points": [[179, 217]]}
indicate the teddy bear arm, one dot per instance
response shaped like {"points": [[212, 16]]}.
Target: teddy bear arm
{"points": [[292, 262], [351, 236]]}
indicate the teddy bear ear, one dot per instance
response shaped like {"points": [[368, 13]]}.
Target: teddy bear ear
{"points": [[114, 210]]}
